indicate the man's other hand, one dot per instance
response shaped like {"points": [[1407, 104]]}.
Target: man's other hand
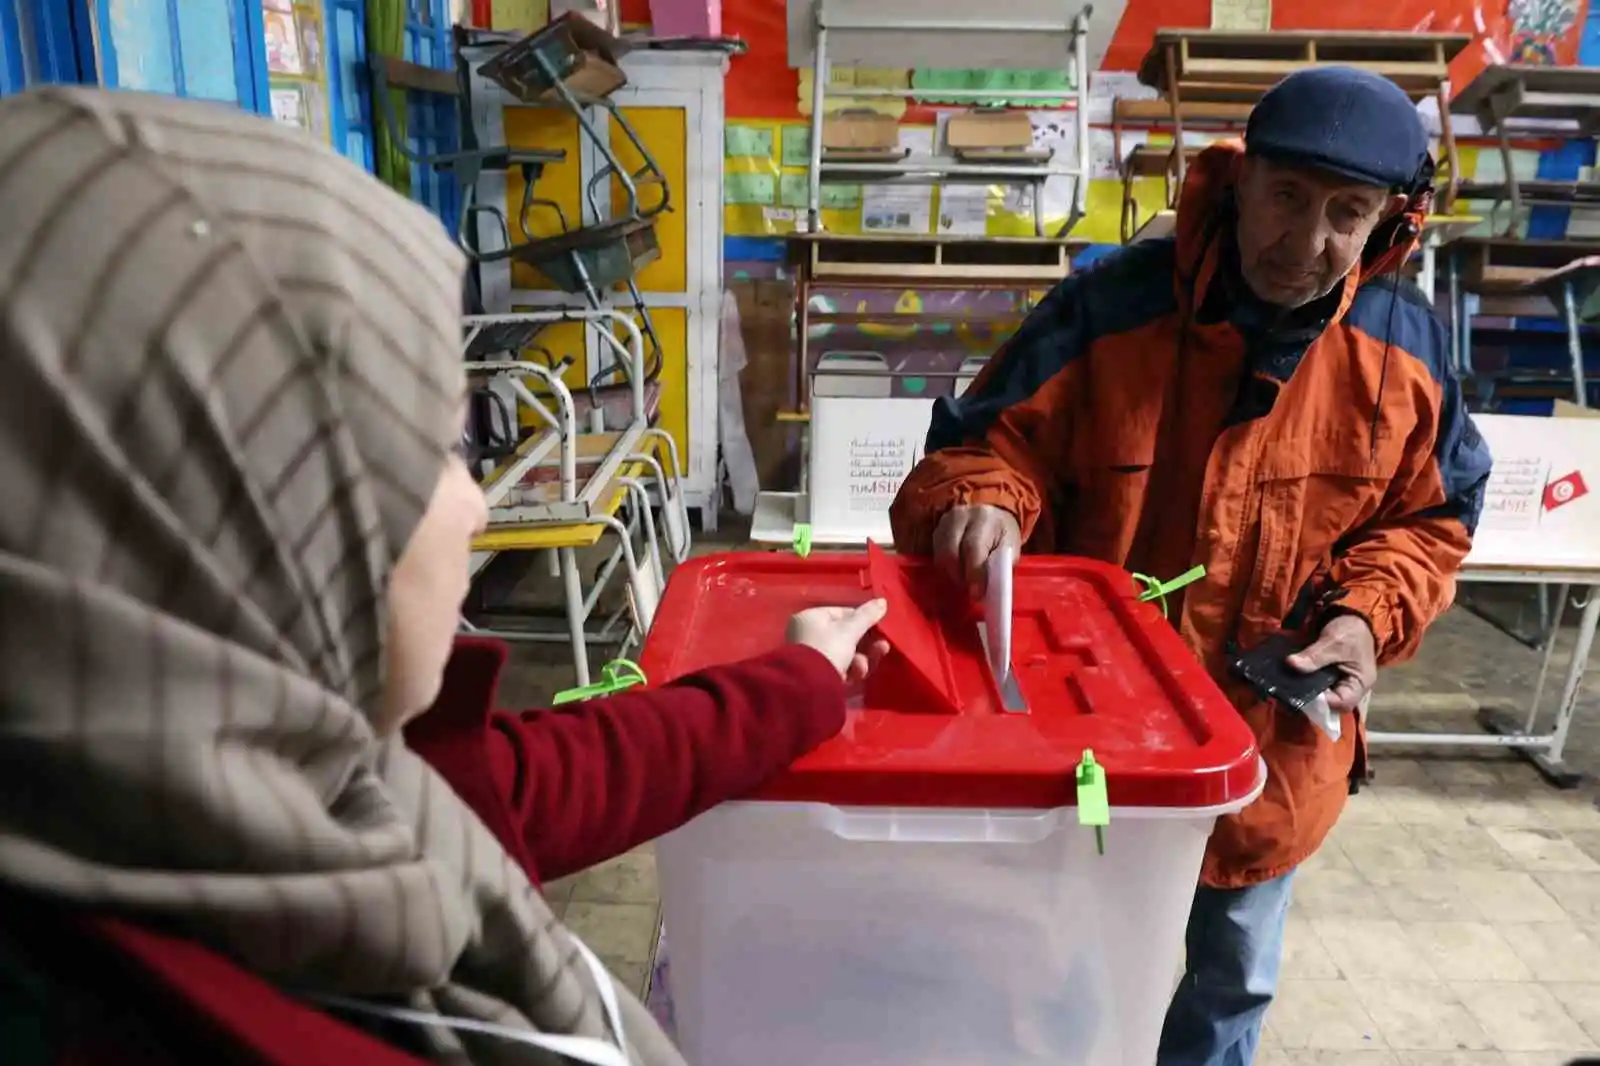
{"points": [[967, 536], [1346, 642]]}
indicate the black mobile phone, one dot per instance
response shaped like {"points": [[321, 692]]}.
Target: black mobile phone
{"points": [[1264, 669]]}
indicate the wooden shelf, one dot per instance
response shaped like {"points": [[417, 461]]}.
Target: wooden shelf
{"points": [[1156, 160], [1233, 67], [1215, 77], [1510, 94], [1507, 266], [1556, 193], [1196, 113], [919, 318], [909, 257]]}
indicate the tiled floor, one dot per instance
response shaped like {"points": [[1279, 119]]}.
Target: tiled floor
{"points": [[1452, 920], [615, 909]]}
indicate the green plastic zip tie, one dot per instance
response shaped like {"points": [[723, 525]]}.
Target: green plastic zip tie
{"points": [[617, 675], [802, 539], [1158, 590], [1094, 809]]}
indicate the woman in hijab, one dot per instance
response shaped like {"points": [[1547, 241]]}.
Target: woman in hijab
{"points": [[232, 550]]}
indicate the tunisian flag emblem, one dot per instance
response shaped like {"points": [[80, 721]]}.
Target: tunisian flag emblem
{"points": [[1563, 490]]}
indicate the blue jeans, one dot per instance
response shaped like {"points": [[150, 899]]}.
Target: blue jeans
{"points": [[1234, 945]]}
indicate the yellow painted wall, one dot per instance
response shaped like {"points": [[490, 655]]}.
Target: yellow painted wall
{"points": [[1102, 221], [542, 127], [672, 327], [553, 342], [519, 14], [664, 132]]}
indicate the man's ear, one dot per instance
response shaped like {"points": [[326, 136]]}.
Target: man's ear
{"points": [[1243, 166], [1395, 204]]}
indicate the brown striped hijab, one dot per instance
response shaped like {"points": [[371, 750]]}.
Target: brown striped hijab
{"points": [[229, 373]]}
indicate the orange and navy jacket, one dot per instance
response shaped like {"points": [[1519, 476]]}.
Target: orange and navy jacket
{"points": [[1152, 413]]}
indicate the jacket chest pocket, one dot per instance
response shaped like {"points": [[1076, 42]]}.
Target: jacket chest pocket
{"points": [[1105, 512], [1309, 499]]}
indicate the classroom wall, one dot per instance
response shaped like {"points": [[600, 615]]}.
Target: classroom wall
{"points": [[767, 105], [760, 85], [766, 100]]}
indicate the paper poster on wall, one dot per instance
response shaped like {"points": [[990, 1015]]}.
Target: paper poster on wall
{"points": [[317, 111], [1103, 161], [840, 197], [794, 190], [963, 210], [842, 77], [288, 106], [796, 146], [749, 188], [747, 141], [1106, 86], [1241, 15], [283, 43], [1056, 132], [1515, 494], [942, 86], [896, 208], [310, 42], [523, 15], [917, 141]]}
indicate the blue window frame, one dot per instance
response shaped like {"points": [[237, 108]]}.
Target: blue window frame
{"points": [[14, 73], [348, 85], [39, 42], [207, 51], [216, 50], [432, 122]]}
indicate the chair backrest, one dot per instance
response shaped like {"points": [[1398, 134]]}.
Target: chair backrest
{"points": [[393, 73], [390, 73]]}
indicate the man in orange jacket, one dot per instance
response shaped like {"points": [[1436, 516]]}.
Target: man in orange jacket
{"points": [[1262, 394]]}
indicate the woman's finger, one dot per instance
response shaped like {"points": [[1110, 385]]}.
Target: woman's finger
{"points": [[858, 668]]}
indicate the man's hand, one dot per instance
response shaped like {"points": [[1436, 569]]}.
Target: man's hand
{"points": [[1346, 642], [967, 536]]}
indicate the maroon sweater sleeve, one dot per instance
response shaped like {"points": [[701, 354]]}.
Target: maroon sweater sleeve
{"points": [[588, 781]]}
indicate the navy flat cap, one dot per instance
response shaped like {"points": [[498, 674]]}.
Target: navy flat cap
{"points": [[1359, 125]]}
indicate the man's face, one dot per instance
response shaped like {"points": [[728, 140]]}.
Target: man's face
{"points": [[1301, 230]]}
